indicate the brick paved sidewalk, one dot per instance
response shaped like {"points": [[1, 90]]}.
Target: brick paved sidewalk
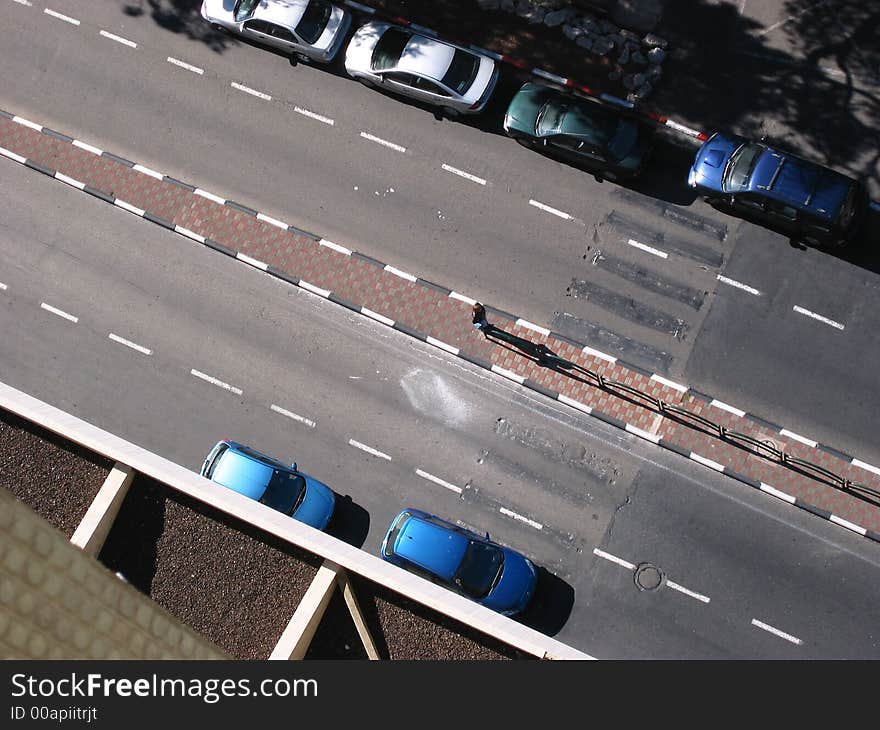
{"points": [[441, 317]]}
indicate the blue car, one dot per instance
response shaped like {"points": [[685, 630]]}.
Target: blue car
{"points": [[799, 198], [269, 481], [463, 561]]}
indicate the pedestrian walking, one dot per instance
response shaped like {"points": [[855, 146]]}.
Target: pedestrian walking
{"points": [[479, 318]]}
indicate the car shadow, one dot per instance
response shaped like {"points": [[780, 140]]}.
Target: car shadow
{"points": [[350, 522], [551, 605], [863, 250]]}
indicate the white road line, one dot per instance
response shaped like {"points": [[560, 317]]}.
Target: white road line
{"points": [[574, 404], [777, 632], [724, 407], [442, 345], [644, 434], [707, 462], [69, 180], [315, 289], [682, 589], [272, 221], [129, 207], [189, 234], [210, 196], [819, 317], [598, 353], [378, 317], [402, 274], [386, 143], [863, 465], [253, 262], [148, 171], [776, 493], [613, 559], [530, 523], [335, 246], [87, 147], [129, 343], [462, 298], [3, 286], [290, 414], [119, 39], [65, 18], [438, 480], [12, 156], [532, 326], [847, 524], [508, 374], [252, 92], [312, 115], [462, 173], [182, 64], [214, 381], [59, 312], [27, 123], [669, 383], [797, 437], [681, 128], [368, 449], [649, 249], [738, 285], [26, 3], [548, 209]]}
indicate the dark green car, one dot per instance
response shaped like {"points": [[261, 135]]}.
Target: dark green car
{"points": [[579, 131]]}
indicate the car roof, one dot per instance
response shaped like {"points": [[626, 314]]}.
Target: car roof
{"points": [[242, 473], [287, 12], [431, 546], [426, 57], [800, 183]]}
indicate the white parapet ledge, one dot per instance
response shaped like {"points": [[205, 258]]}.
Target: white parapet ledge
{"points": [[94, 527], [371, 567]]}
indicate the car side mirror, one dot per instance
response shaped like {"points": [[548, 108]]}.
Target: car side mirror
{"points": [[293, 466]]}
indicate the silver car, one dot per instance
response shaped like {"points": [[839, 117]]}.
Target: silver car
{"points": [[313, 29], [427, 69]]}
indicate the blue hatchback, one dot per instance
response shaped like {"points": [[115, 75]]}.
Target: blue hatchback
{"points": [[269, 481], [463, 561], [802, 199]]}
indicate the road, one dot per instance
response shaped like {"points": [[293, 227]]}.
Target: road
{"points": [[111, 318], [383, 177]]}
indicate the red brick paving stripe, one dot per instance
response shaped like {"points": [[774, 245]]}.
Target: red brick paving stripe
{"points": [[448, 319]]}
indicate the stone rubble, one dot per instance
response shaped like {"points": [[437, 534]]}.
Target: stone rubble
{"points": [[636, 59]]}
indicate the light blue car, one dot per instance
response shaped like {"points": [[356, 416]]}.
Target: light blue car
{"points": [[279, 486]]}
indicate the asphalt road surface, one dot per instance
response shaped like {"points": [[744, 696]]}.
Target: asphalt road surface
{"points": [[645, 554], [634, 272]]}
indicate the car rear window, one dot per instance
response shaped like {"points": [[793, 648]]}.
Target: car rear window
{"points": [[244, 9], [388, 50], [461, 72], [314, 20], [284, 492]]}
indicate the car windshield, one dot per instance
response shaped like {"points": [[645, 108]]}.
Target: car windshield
{"points": [[284, 492], [244, 9], [480, 569], [739, 169], [624, 140], [314, 20], [461, 72], [389, 48]]}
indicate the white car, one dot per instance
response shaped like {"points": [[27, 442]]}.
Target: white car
{"points": [[314, 29], [427, 69]]}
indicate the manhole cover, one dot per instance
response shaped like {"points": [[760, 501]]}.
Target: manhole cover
{"points": [[648, 577]]}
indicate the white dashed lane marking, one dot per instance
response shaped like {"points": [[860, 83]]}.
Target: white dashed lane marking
{"points": [[215, 381], [613, 559], [818, 317], [3, 286], [119, 39], [312, 115], [775, 631], [384, 142], [59, 312], [188, 67], [738, 285], [438, 480], [648, 249], [692, 594], [129, 343], [293, 416], [548, 209], [462, 173], [252, 92], [369, 449], [520, 518], [65, 18]]}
